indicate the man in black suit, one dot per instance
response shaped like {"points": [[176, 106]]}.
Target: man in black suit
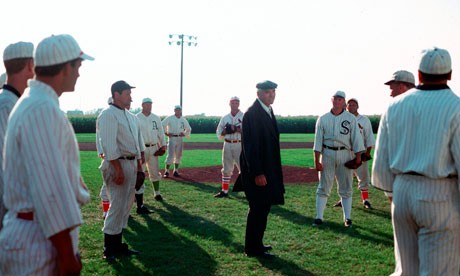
{"points": [[261, 171]]}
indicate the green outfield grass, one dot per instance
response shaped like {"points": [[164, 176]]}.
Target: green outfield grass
{"points": [[192, 233], [209, 138]]}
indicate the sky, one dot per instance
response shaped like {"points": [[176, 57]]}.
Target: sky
{"points": [[310, 49]]}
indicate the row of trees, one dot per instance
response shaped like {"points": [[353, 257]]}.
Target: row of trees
{"points": [[208, 124]]}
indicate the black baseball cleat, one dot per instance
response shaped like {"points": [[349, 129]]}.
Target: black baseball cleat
{"points": [[263, 255], [367, 204], [317, 222], [143, 210], [158, 198], [348, 223], [176, 174], [166, 175], [267, 248], [338, 204], [221, 194]]}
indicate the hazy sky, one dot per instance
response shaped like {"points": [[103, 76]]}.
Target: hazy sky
{"points": [[310, 48]]}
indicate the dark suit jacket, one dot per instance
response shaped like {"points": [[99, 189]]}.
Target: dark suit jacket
{"points": [[261, 155]]}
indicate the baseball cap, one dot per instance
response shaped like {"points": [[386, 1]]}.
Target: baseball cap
{"points": [[110, 100], [265, 85], [435, 61], [146, 100], [2, 79], [234, 98], [19, 49], [340, 94], [177, 107], [354, 100], [402, 76], [120, 85], [58, 49]]}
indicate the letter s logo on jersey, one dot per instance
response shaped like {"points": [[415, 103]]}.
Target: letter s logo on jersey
{"points": [[345, 127]]}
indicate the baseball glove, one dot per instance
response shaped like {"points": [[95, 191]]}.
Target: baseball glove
{"points": [[160, 152], [229, 129], [365, 157], [139, 180], [352, 165]]}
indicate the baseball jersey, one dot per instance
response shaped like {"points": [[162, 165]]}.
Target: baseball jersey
{"points": [[151, 129], [8, 97], [365, 128], [430, 144], [119, 133], [233, 120], [42, 167], [175, 126], [338, 131]]}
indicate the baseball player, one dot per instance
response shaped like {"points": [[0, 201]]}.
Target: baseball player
{"points": [[400, 82], [105, 201], [423, 178], [154, 139], [362, 173], [176, 127], [19, 64], [336, 136], [229, 129], [43, 188], [118, 136]]}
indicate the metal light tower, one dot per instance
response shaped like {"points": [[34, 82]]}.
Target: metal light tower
{"points": [[180, 39]]}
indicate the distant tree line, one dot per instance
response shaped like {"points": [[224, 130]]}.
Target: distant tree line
{"points": [[208, 124]]}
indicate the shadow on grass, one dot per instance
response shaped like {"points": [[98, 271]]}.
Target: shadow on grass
{"points": [[289, 215], [163, 252], [283, 267]]}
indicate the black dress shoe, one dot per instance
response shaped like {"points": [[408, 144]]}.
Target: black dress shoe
{"points": [[109, 256], [143, 210], [263, 255], [267, 248], [125, 251]]}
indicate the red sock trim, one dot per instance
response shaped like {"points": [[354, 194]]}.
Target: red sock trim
{"points": [[365, 195], [105, 205]]}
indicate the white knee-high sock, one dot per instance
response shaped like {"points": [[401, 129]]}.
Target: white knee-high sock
{"points": [[346, 207], [320, 206]]}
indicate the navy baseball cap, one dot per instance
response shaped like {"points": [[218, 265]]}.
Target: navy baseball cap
{"points": [[266, 85], [120, 85]]}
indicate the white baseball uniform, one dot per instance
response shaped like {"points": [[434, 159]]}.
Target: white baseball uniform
{"points": [[42, 179], [154, 138], [335, 138], [417, 157], [232, 143], [119, 138], [174, 127], [365, 128], [8, 98]]}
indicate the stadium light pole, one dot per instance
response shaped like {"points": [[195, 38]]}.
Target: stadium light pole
{"points": [[180, 39]]}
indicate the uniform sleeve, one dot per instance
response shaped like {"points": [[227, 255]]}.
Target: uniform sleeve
{"points": [[455, 145], [164, 123], [382, 177], [319, 136], [356, 138], [220, 128], [98, 142], [54, 198], [188, 129], [161, 133], [369, 139], [108, 128]]}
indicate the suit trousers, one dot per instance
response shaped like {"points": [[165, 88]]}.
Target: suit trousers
{"points": [[255, 226]]}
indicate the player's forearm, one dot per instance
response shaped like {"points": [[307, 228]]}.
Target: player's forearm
{"points": [[68, 262]]}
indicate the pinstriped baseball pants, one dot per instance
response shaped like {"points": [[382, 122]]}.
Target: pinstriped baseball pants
{"points": [[121, 196], [152, 165], [334, 169], [426, 223]]}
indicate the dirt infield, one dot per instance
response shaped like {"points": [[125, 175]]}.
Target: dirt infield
{"points": [[291, 174], [193, 146]]}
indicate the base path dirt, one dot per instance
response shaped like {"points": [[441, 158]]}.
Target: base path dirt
{"points": [[291, 174]]}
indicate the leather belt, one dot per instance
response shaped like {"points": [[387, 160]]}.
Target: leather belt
{"points": [[26, 215], [149, 145], [419, 174], [127, 157], [174, 135], [232, 141], [334, 148]]}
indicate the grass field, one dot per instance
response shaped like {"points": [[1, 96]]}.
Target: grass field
{"points": [[192, 233]]}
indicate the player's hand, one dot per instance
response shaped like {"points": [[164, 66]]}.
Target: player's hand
{"points": [[119, 177], [319, 166], [181, 134], [101, 155], [261, 181]]}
